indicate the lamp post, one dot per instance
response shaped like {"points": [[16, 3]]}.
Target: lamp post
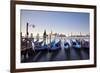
{"points": [[27, 33], [28, 44], [27, 27]]}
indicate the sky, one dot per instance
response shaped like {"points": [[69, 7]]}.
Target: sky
{"points": [[57, 22]]}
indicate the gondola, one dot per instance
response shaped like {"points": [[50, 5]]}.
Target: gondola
{"points": [[40, 46], [75, 44], [86, 44], [66, 46], [55, 46]]}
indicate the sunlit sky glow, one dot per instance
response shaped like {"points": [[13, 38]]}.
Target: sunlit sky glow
{"points": [[58, 22]]}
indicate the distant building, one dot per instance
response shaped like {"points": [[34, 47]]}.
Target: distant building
{"points": [[62, 35]]}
